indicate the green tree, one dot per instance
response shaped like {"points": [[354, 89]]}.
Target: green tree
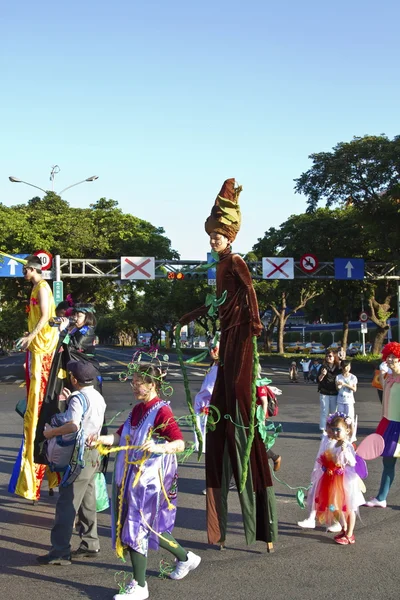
{"points": [[363, 175], [100, 231], [356, 172]]}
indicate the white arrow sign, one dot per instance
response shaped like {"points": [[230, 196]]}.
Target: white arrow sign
{"points": [[349, 267], [12, 264]]}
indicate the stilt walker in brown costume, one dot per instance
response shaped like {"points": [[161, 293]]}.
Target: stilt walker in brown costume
{"points": [[233, 392]]}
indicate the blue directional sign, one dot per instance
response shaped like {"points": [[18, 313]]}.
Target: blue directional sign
{"points": [[10, 267], [211, 273], [349, 268]]}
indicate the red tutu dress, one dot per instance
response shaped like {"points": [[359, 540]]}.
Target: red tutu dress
{"points": [[337, 489]]}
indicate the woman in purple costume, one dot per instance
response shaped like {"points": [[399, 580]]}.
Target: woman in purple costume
{"points": [[145, 483]]}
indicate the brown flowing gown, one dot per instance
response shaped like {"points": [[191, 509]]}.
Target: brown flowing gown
{"points": [[232, 395]]}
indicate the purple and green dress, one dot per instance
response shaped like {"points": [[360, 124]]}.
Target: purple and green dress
{"points": [[147, 488]]}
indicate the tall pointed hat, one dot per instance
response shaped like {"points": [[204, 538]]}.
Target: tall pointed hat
{"points": [[225, 217]]}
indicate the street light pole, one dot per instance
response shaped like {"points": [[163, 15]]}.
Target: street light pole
{"points": [[362, 327], [93, 178], [54, 170], [16, 180]]}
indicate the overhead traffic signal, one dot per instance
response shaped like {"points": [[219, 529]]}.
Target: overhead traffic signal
{"points": [[187, 275]]}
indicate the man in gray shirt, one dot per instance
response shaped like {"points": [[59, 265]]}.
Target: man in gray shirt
{"points": [[78, 497]]}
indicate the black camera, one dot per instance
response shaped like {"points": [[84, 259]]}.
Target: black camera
{"points": [[55, 321]]}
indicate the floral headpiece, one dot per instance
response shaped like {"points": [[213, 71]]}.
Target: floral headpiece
{"points": [[338, 415], [152, 359]]}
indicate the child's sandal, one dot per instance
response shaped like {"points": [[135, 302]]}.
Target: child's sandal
{"points": [[340, 535], [345, 540]]}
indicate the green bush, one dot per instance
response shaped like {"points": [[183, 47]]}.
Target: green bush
{"points": [[368, 358]]}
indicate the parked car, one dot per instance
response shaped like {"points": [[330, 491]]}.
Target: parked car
{"points": [[315, 348], [295, 347], [354, 348], [334, 346]]}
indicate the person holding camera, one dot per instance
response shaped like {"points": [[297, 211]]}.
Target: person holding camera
{"points": [[328, 392], [76, 342]]}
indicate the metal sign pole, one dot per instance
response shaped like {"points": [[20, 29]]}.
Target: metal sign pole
{"points": [[398, 312]]}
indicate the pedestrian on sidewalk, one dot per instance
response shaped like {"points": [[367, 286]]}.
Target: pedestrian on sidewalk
{"points": [[293, 372], [346, 384], [314, 370], [327, 387], [305, 365]]}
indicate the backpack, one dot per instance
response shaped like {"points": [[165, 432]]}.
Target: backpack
{"points": [[64, 453], [273, 408]]}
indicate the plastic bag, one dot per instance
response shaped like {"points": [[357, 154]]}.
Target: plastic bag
{"points": [[21, 407], [102, 499]]}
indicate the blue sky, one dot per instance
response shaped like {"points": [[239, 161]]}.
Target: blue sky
{"points": [[165, 100]]}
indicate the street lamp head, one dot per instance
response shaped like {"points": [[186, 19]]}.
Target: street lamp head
{"points": [[93, 178], [15, 180]]}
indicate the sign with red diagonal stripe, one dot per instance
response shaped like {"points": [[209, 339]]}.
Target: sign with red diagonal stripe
{"points": [[309, 262], [137, 267], [278, 267]]}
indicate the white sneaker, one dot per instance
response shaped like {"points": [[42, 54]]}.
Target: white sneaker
{"points": [[335, 527], [377, 503], [307, 523], [183, 567], [133, 591]]}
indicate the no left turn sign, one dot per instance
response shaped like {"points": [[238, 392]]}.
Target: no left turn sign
{"points": [[309, 263]]}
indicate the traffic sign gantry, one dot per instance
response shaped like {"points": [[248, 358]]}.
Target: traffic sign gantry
{"points": [[349, 268], [309, 262]]}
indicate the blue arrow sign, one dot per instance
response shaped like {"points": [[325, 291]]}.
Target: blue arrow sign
{"points": [[211, 273], [10, 267], [349, 268]]}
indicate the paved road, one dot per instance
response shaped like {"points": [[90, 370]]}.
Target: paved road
{"points": [[306, 564]]}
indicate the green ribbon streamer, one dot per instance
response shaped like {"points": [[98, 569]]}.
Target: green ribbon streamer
{"points": [[301, 490], [213, 302], [268, 431], [250, 437], [197, 359], [187, 388], [263, 381]]}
